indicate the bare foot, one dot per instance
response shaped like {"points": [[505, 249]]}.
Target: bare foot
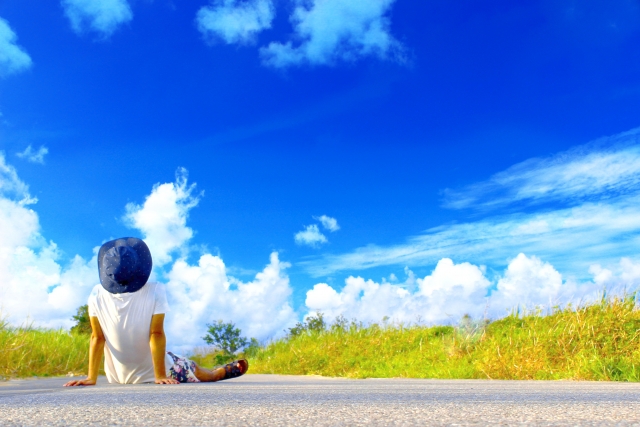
{"points": [[208, 375], [243, 365]]}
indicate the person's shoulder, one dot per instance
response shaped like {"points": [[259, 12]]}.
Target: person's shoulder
{"points": [[152, 287], [159, 292], [95, 291], [92, 301]]}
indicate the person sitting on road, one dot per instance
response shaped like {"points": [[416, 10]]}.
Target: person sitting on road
{"points": [[127, 323]]}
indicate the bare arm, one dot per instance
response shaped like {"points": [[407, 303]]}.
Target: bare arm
{"points": [[158, 344], [96, 351]]}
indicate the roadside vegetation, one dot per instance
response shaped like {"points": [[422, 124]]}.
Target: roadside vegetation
{"points": [[599, 341], [595, 342], [27, 351], [225, 345]]}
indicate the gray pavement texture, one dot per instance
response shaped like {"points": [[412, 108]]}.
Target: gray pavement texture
{"points": [[273, 400]]}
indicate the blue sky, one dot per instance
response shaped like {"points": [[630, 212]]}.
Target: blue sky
{"points": [[428, 131]]}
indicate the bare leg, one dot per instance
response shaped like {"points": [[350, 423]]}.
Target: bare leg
{"points": [[208, 375]]}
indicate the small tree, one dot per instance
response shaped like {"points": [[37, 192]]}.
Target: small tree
{"points": [[83, 324], [226, 337], [312, 324]]}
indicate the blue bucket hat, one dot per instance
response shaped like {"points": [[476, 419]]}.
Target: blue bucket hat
{"points": [[124, 265]]}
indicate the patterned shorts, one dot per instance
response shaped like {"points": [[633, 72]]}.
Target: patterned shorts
{"points": [[183, 369]]}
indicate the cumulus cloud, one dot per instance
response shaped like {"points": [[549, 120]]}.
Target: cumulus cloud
{"points": [[327, 31], [162, 217], [34, 156], [101, 16], [235, 21], [603, 169], [34, 285], [625, 276], [310, 236], [13, 58], [328, 223], [530, 282], [453, 290], [204, 293], [449, 292]]}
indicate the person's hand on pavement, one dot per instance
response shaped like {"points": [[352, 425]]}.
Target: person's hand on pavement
{"points": [[167, 381], [87, 381]]}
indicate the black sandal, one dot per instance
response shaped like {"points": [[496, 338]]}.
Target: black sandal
{"points": [[233, 369]]}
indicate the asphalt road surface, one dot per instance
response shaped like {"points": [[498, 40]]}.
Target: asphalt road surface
{"points": [[272, 400]]}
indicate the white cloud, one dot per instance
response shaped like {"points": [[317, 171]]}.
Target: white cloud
{"points": [[330, 30], [601, 224], [328, 223], [627, 276], [162, 218], [310, 236], [235, 21], [34, 156], [34, 286], [571, 238], [11, 187], [101, 16], [204, 293], [530, 282], [606, 168], [449, 292], [453, 290], [13, 58]]}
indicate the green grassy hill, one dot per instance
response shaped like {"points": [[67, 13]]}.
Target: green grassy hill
{"points": [[595, 342]]}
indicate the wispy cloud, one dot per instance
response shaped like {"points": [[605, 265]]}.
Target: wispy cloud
{"points": [[606, 168], [310, 236], [328, 223], [11, 186], [571, 238], [328, 31], [13, 58], [589, 212], [34, 156], [101, 16], [235, 21]]}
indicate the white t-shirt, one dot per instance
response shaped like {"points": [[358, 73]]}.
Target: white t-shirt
{"points": [[125, 320]]}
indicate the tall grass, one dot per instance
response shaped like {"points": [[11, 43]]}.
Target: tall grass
{"points": [[600, 341], [593, 342], [28, 351]]}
